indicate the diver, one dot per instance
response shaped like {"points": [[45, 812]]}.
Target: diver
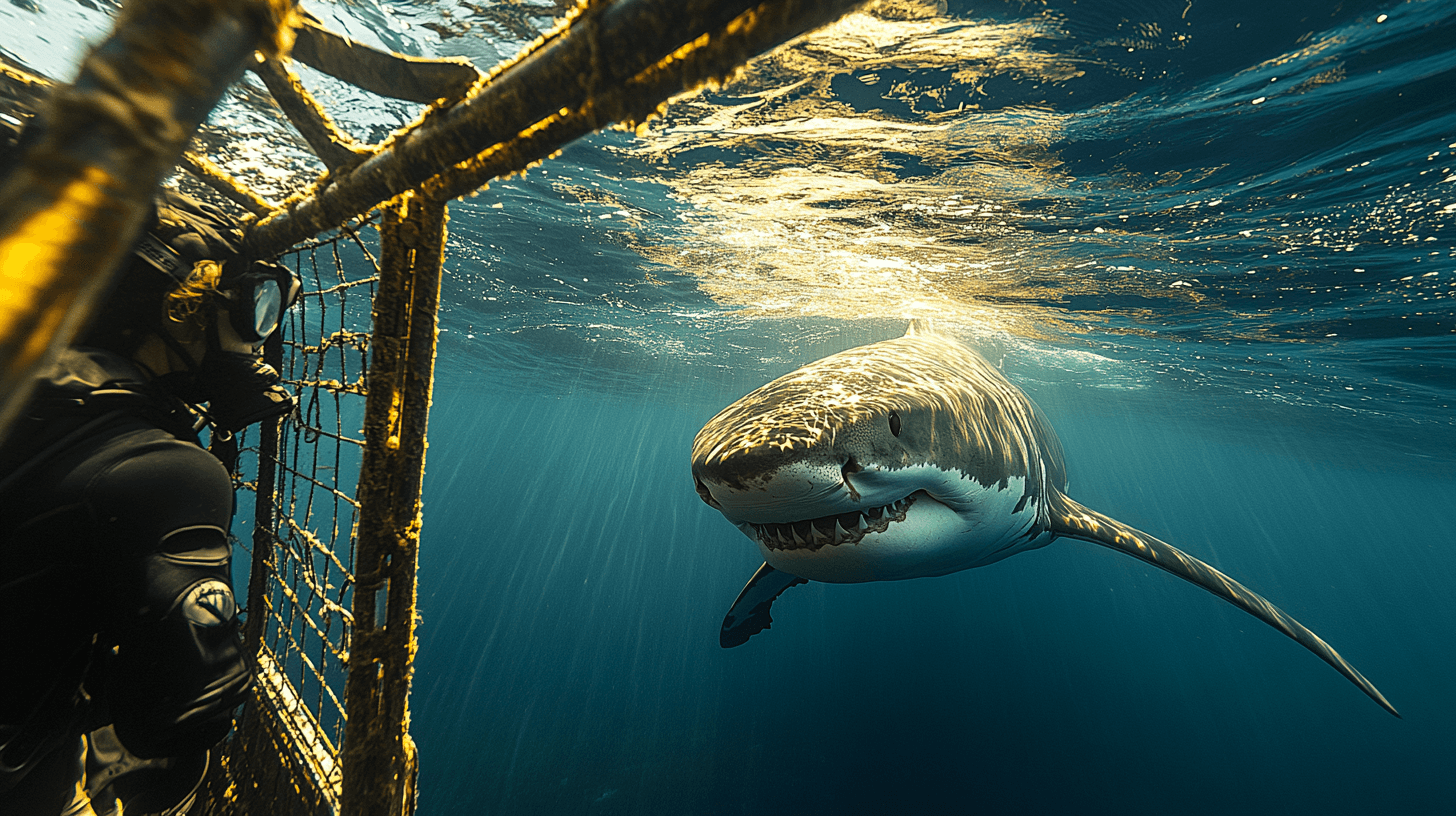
{"points": [[119, 631]]}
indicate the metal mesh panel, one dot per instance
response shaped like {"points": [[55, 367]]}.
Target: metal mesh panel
{"points": [[324, 358], [298, 516]]}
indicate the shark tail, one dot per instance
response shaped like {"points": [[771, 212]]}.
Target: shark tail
{"points": [[1075, 521]]}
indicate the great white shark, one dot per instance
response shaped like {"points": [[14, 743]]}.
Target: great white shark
{"points": [[911, 458]]}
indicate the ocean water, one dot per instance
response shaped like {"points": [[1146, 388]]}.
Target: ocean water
{"points": [[1215, 241]]}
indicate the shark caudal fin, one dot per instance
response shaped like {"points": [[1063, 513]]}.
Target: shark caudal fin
{"points": [[1072, 519], [749, 614]]}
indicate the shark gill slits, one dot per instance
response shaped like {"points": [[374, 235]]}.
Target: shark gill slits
{"points": [[894, 423], [843, 528]]}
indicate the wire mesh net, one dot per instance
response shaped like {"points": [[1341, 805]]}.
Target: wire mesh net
{"points": [[325, 356], [297, 522]]}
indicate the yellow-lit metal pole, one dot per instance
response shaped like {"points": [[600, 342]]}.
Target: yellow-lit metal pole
{"points": [[70, 212], [379, 759]]}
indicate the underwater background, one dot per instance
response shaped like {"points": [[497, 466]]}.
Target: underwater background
{"points": [[1215, 241]]}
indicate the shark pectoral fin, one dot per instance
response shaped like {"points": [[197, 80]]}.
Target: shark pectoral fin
{"points": [[749, 614], [1072, 519]]}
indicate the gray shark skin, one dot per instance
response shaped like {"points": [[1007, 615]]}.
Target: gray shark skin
{"points": [[910, 458]]}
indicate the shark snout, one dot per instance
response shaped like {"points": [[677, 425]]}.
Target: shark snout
{"points": [[705, 494], [792, 492]]}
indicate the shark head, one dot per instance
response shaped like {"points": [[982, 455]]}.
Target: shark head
{"points": [[907, 458]]}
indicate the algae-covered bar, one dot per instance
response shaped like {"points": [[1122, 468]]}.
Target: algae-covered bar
{"points": [[613, 62]]}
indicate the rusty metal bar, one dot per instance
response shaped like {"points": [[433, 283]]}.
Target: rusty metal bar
{"points": [[227, 186], [665, 46], [265, 525], [633, 101], [332, 145], [70, 212], [381, 72], [20, 89], [378, 755]]}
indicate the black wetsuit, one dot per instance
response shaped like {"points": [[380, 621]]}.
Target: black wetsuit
{"points": [[115, 599]]}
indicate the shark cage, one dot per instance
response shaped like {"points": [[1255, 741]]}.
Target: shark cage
{"points": [[329, 497]]}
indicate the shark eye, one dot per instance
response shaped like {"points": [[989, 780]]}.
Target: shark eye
{"points": [[894, 423]]}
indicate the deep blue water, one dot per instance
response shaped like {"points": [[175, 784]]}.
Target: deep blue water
{"points": [[1215, 241], [573, 589]]}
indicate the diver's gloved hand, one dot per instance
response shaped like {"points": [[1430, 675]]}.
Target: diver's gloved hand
{"points": [[242, 389]]}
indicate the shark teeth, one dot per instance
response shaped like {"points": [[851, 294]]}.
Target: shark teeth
{"points": [[843, 528]]}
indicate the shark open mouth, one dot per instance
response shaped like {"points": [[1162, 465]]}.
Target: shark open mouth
{"points": [[842, 528]]}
